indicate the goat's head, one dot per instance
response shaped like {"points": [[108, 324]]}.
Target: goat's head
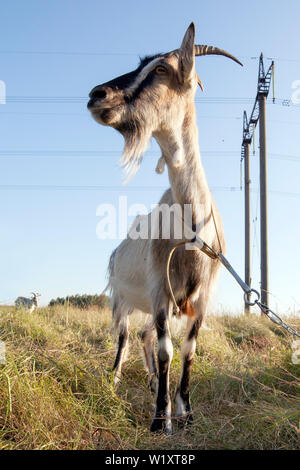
{"points": [[152, 99], [35, 298]]}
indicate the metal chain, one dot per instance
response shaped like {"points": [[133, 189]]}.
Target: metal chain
{"points": [[209, 251], [275, 318]]}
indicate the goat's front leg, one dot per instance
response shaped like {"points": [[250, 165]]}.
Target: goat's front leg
{"points": [[162, 417], [182, 397]]}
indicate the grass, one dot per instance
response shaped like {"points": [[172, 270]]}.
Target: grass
{"points": [[56, 386]]}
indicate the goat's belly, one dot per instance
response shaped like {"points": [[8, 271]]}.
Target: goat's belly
{"points": [[134, 294], [138, 301], [130, 273]]}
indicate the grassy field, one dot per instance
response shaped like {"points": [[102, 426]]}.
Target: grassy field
{"points": [[56, 389]]}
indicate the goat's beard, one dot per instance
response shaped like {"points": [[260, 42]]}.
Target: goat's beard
{"points": [[136, 139]]}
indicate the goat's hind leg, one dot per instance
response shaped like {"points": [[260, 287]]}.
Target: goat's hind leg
{"points": [[148, 338], [182, 397], [122, 349]]}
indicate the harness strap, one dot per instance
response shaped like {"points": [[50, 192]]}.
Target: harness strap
{"points": [[203, 246]]}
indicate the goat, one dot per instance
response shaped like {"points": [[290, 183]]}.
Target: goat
{"points": [[157, 99], [28, 304]]}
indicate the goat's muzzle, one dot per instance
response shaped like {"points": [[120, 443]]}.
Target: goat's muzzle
{"points": [[99, 95]]}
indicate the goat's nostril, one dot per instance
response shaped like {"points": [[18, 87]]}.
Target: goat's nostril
{"points": [[100, 94]]}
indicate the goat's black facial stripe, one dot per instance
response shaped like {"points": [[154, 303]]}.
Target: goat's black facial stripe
{"points": [[147, 59], [122, 82], [146, 82], [126, 80]]}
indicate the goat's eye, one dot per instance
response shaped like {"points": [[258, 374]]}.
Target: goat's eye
{"points": [[160, 70]]}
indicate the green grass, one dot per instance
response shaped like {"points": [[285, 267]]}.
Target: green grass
{"points": [[56, 389]]}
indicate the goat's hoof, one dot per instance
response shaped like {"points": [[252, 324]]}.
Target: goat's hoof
{"points": [[161, 425], [184, 413], [190, 418], [186, 419], [116, 379]]}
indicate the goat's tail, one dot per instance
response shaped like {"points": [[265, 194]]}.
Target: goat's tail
{"points": [[119, 306], [110, 274], [113, 293], [105, 288]]}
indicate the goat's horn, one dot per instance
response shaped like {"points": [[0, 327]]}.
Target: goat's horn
{"points": [[211, 50], [200, 83]]}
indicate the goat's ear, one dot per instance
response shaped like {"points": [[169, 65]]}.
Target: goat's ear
{"points": [[187, 53]]}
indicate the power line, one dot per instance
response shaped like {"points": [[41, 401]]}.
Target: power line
{"points": [[58, 187], [110, 153], [95, 153], [87, 115], [71, 53], [22, 113], [46, 99], [93, 53], [55, 187], [84, 99]]}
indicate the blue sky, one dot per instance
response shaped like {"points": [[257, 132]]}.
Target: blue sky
{"points": [[64, 48]]}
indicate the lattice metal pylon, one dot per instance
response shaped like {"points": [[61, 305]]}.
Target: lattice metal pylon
{"points": [[258, 112]]}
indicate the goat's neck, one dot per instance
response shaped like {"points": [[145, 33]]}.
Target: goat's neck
{"points": [[188, 179]]}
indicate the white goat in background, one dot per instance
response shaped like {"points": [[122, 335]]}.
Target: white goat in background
{"points": [[157, 99]]}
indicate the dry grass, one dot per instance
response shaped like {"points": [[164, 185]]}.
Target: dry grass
{"points": [[56, 390]]}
